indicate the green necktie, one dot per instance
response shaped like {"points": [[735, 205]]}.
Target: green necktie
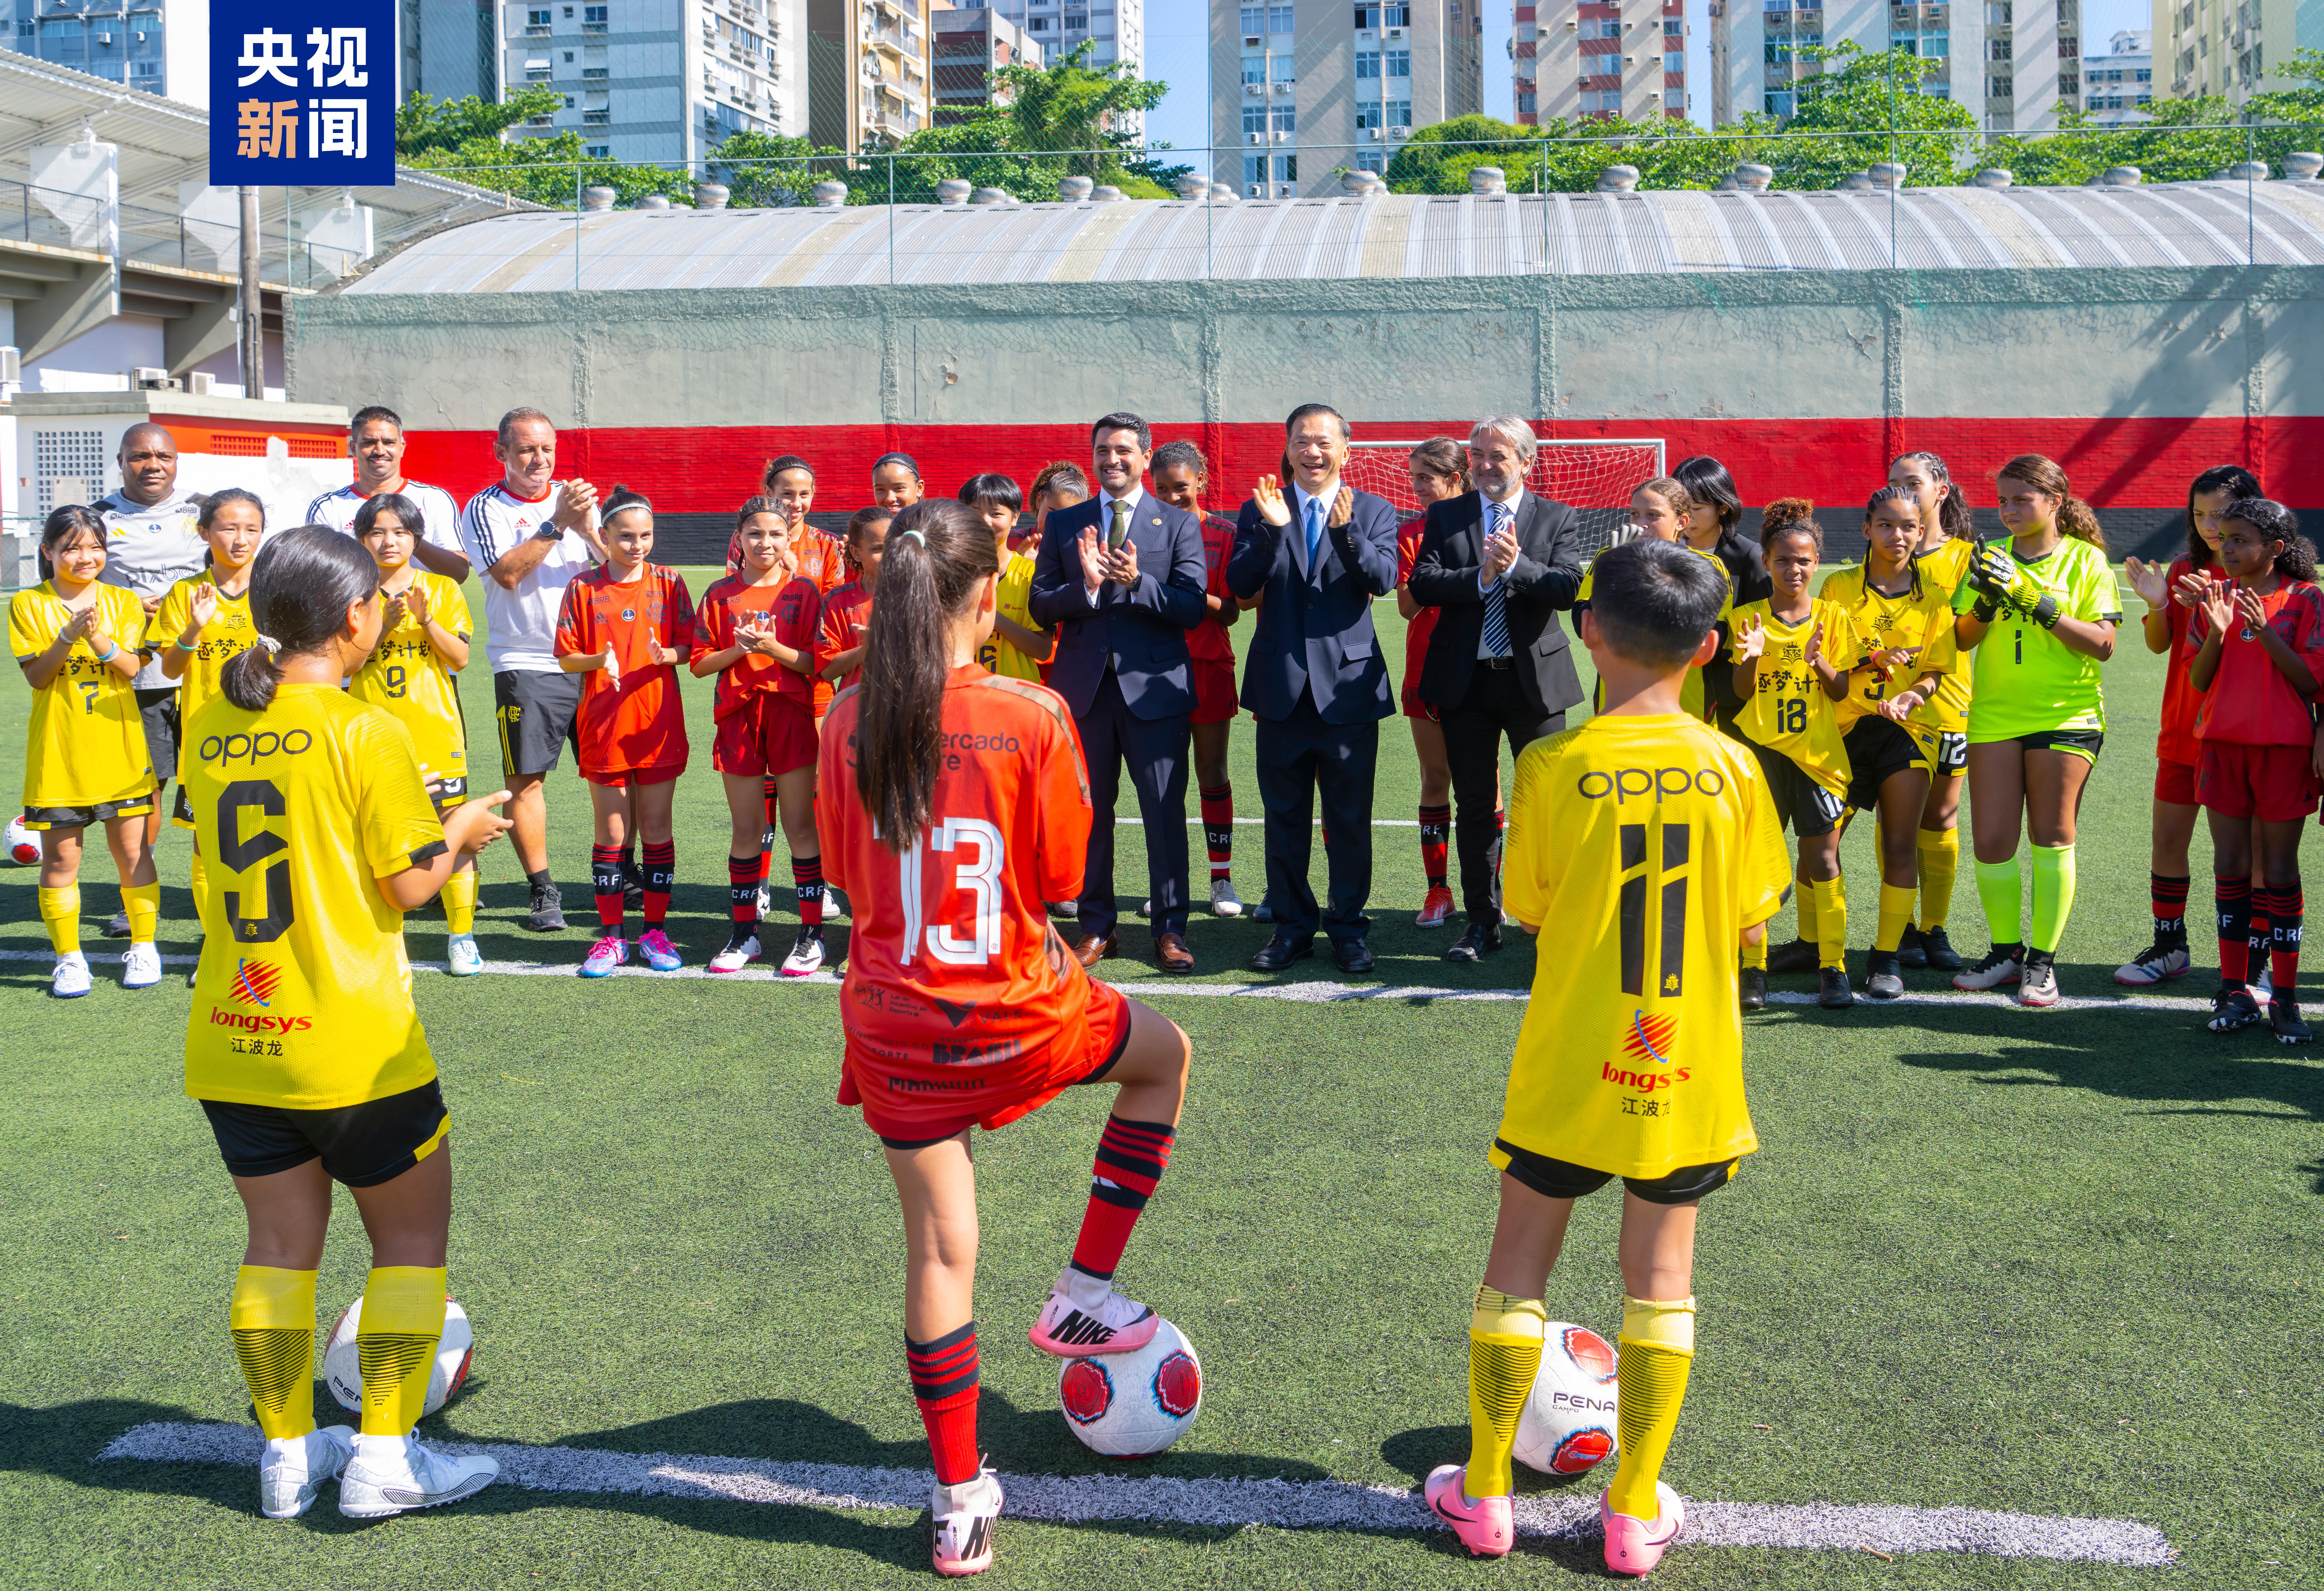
{"points": [[1120, 522]]}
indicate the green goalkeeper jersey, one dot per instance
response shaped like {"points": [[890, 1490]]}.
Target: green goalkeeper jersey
{"points": [[2028, 681]]}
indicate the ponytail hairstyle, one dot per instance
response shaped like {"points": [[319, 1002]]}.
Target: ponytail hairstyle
{"points": [[1709, 485], [620, 502], [218, 500], [302, 584], [406, 511], [1789, 516], [938, 554], [1442, 456], [776, 466], [1952, 513], [2238, 483], [2076, 518], [2277, 524], [1903, 495]]}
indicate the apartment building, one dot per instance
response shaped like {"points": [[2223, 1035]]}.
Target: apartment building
{"points": [[2014, 63], [1114, 29], [1600, 61], [160, 46], [1304, 89], [969, 46], [870, 61], [660, 79], [2118, 85], [2233, 49]]}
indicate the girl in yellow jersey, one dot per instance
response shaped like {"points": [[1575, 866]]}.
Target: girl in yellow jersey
{"points": [[1948, 541], [1660, 510], [302, 1044], [423, 643], [1894, 713], [204, 624], [84, 759], [1792, 654]]}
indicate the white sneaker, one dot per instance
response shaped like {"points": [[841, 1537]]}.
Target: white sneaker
{"points": [[1224, 901], [1074, 1329], [835, 903], [2152, 965], [2263, 981], [964, 1518], [1146, 907], [1992, 969], [742, 949], [2039, 985], [142, 967], [69, 982], [380, 1480], [806, 952], [462, 959], [766, 897], [293, 1469]]}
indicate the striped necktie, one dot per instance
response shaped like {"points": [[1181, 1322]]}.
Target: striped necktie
{"points": [[1496, 640]]}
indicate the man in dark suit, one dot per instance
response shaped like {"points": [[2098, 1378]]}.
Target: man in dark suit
{"points": [[1499, 564], [1316, 555], [1122, 579]]}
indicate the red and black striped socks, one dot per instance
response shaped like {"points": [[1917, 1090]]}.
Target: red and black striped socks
{"points": [[1218, 827], [944, 1383], [2286, 909], [2233, 898], [767, 836], [661, 873], [1436, 841], [1131, 1156], [2169, 895], [606, 882], [743, 891], [807, 883]]}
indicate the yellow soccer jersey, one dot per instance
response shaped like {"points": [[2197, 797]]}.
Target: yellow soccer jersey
{"points": [[1649, 843], [225, 638], [303, 997], [1790, 711], [1922, 619], [87, 744], [1690, 697], [1014, 601], [1944, 566], [405, 676]]}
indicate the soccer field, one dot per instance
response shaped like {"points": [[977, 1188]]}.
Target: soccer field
{"points": [[2049, 1266]]}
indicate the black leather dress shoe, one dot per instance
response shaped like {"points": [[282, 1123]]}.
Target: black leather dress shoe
{"points": [[1280, 951], [1475, 945], [1352, 954]]}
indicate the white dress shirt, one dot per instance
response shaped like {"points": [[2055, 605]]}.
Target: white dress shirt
{"points": [[1324, 500], [1516, 505], [1105, 529]]}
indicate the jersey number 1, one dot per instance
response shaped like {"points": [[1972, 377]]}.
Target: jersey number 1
{"points": [[1636, 891], [980, 880], [239, 854]]}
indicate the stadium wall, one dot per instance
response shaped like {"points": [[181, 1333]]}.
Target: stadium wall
{"points": [[1805, 383]]}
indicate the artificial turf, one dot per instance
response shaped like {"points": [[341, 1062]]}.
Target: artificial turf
{"points": [[2061, 1263]]}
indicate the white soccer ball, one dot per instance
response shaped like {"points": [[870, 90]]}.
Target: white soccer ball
{"points": [[1567, 1425], [1133, 1405], [343, 1361], [24, 844]]}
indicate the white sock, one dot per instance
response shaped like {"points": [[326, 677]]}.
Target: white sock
{"points": [[1087, 1291], [383, 1449]]}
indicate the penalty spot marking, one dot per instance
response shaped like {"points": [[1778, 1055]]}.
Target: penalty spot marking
{"points": [[1223, 1503]]}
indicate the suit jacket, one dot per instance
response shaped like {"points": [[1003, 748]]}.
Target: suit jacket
{"points": [[1536, 587], [1139, 630], [1314, 631]]}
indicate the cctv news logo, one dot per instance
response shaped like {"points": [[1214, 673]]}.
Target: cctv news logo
{"points": [[226, 750], [1626, 785]]}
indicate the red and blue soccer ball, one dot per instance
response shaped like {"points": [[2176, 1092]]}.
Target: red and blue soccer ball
{"points": [[1568, 1422], [1136, 1404], [24, 844]]}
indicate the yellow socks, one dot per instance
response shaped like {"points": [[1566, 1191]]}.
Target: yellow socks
{"points": [[1756, 955], [1504, 1338], [272, 1317], [1806, 901], [142, 902], [60, 915], [1896, 902], [1830, 897], [403, 1320], [459, 897], [1657, 1344], [1940, 851], [200, 882]]}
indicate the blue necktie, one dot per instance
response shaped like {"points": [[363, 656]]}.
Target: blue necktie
{"points": [[1496, 612], [1315, 531]]}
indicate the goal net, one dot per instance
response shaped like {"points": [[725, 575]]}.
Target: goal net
{"points": [[1595, 476]]}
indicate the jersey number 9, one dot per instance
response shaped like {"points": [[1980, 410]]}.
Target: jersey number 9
{"points": [[395, 677], [238, 854], [980, 880]]}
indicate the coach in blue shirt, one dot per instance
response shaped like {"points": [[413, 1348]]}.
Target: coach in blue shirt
{"points": [[1317, 554], [1122, 579]]}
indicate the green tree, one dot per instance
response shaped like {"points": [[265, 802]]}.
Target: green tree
{"points": [[425, 124], [468, 139]]}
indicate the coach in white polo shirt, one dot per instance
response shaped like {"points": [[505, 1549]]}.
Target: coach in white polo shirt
{"points": [[375, 442], [530, 534]]}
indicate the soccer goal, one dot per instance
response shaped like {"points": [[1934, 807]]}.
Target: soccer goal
{"points": [[1595, 475]]}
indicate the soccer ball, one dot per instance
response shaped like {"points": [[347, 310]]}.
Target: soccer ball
{"points": [[24, 844], [1133, 1405], [343, 1361], [1567, 1424]]}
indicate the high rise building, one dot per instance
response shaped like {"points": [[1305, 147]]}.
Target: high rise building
{"points": [[1114, 29], [2118, 85], [661, 80], [451, 48], [2014, 63], [160, 46], [1303, 90], [969, 46], [1600, 61], [870, 71], [2234, 49]]}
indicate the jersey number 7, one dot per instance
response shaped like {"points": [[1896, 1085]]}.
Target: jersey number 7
{"points": [[239, 854], [1677, 840]]}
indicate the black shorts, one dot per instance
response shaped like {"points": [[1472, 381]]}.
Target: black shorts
{"points": [[82, 817], [362, 1146], [1809, 808], [1562, 1179], [1953, 755], [537, 714], [1878, 748], [159, 709], [449, 794], [2082, 743]]}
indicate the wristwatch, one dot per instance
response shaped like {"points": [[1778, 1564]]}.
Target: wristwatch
{"points": [[551, 531]]}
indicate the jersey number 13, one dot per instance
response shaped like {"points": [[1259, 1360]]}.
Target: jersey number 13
{"points": [[980, 880]]}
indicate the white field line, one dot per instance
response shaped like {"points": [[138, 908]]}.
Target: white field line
{"points": [[1230, 1504]]}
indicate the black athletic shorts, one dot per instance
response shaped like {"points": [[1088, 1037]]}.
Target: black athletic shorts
{"points": [[449, 794], [1953, 755], [1877, 749], [159, 709], [82, 817], [1562, 1179], [362, 1146], [2082, 743], [1807, 806], [537, 714]]}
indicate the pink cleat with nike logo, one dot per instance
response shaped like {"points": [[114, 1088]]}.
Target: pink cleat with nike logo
{"points": [[1486, 1526], [1634, 1545]]}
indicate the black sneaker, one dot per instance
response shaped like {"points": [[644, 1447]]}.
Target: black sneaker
{"points": [[1832, 992], [1883, 975], [116, 926], [1939, 949], [547, 915], [2284, 1016], [1802, 955], [2233, 1009], [1751, 989], [633, 886], [1910, 951]]}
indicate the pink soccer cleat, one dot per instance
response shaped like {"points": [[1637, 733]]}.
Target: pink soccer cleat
{"points": [[609, 953], [964, 1518], [1115, 1325], [1634, 1545], [659, 954], [1486, 1526]]}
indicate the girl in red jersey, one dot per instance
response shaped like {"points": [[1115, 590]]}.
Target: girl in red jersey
{"points": [[2173, 597], [756, 630], [625, 627], [848, 611], [958, 805], [1181, 475], [2259, 659], [1440, 470]]}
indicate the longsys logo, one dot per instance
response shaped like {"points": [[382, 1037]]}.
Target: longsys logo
{"points": [[254, 983], [1652, 1038]]}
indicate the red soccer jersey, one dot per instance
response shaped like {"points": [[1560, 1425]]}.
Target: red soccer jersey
{"points": [[1209, 640], [1424, 624], [959, 997], [2177, 742], [846, 613], [636, 720], [2250, 702], [822, 558], [725, 606]]}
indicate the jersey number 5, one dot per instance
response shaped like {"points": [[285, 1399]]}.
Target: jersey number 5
{"points": [[980, 880], [239, 854], [1677, 839]]}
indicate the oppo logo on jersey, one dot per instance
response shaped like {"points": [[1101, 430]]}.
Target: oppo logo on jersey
{"points": [[1634, 784], [232, 748], [1645, 1082], [248, 1022]]}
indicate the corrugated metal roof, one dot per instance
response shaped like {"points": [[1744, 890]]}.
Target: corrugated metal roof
{"points": [[2184, 224]]}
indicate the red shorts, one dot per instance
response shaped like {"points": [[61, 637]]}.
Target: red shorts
{"points": [[1106, 1019], [1214, 691], [2174, 782], [2274, 784], [630, 779], [769, 735], [1414, 707]]}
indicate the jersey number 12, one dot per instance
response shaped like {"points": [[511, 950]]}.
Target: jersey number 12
{"points": [[1677, 841]]}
